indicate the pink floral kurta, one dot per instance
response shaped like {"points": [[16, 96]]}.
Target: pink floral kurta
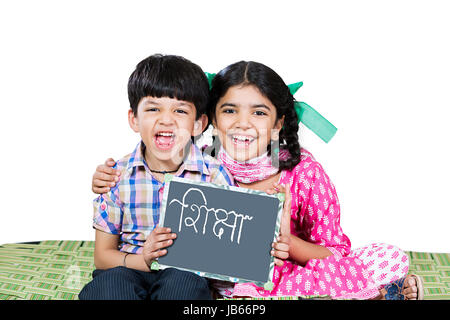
{"points": [[315, 217]]}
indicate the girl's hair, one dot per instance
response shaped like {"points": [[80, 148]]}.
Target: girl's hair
{"points": [[169, 76], [270, 84]]}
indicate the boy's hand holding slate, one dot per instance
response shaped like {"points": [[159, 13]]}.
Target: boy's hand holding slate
{"points": [[158, 239]]}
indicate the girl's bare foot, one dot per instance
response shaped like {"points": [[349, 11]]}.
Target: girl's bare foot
{"points": [[412, 289]]}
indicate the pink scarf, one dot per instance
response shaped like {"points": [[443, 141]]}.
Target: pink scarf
{"points": [[256, 169]]}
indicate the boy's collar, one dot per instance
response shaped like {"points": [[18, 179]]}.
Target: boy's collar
{"points": [[194, 161]]}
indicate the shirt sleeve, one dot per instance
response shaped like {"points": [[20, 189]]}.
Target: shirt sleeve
{"points": [[322, 210], [108, 212]]}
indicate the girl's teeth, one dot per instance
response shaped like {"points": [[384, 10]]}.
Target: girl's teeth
{"points": [[242, 138]]}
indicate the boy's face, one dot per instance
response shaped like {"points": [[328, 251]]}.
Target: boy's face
{"points": [[166, 126]]}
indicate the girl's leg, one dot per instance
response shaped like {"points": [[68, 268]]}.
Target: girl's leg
{"points": [[385, 263]]}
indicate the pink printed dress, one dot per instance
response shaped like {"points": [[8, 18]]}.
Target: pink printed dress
{"points": [[315, 217]]}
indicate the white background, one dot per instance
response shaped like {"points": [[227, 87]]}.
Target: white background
{"points": [[378, 70]]}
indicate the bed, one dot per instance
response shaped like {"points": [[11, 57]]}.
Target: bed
{"points": [[57, 270]]}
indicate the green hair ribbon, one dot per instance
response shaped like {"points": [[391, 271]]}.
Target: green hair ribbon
{"points": [[210, 77], [293, 87], [312, 119], [306, 114]]}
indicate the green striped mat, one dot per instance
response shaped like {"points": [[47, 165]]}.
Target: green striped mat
{"points": [[50, 270]]}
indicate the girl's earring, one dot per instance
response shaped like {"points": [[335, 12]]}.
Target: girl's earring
{"points": [[275, 142], [275, 135]]}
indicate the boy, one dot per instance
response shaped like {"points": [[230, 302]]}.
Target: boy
{"points": [[168, 99]]}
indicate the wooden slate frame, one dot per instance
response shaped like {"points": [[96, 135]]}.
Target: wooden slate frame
{"points": [[165, 261]]}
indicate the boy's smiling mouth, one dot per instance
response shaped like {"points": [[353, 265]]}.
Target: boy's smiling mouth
{"points": [[164, 140]]}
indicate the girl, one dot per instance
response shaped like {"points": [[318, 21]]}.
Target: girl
{"points": [[252, 111]]}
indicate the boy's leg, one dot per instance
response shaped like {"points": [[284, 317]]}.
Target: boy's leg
{"points": [[174, 284], [118, 283]]}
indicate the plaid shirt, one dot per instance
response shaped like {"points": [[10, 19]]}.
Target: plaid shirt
{"points": [[131, 209]]}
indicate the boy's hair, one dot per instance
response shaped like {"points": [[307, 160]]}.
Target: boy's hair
{"points": [[169, 76], [270, 84]]}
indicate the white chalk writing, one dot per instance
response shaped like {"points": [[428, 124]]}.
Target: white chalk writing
{"points": [[221, 217]]}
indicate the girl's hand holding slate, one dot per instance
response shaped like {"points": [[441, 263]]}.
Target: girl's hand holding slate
{"points": [[281, 248], [158, 239]]}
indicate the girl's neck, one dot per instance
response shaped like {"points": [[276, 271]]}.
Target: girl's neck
{"points": [[252, 172], [262, 185]]}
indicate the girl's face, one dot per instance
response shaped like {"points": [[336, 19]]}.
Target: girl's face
{"points": [[246, 121]]}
